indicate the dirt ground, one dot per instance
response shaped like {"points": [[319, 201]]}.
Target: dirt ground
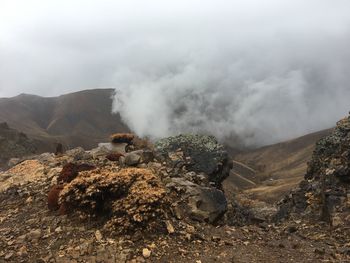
{"points": [[31, 233]]}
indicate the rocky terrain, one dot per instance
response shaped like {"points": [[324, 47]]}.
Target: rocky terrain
{"points": [[131, 201]]}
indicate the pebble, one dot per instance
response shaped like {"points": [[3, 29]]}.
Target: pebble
{"points": [[169, 227], [98, 235], [22, 251], [146, 253], [8, 255], [34, 235]]}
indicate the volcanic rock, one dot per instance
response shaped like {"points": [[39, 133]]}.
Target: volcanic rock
{"points": [[326, 188], [198, 153], [132, 159]]}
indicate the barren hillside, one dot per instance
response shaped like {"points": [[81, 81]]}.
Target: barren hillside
{"points": [[77, 119]]}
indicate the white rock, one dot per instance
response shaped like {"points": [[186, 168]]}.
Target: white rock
{"points": [[146, 253]]}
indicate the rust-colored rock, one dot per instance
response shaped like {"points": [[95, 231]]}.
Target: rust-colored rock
{"points": [[71, 170], [122, 138], [53, 196]]}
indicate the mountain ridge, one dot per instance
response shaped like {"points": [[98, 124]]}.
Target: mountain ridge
{"points": [[81, 118]]}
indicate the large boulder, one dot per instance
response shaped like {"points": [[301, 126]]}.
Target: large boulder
{"points": [[198, 153]]}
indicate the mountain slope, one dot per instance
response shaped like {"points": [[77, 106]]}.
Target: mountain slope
{"points": [[271, 171], [14, 144], [77, 119]]}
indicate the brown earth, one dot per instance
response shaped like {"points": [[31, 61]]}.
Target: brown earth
{"points": [[31, 233]]}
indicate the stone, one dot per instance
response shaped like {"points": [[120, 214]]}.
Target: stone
{"points": [[169, 227], [34, 235], [337, 221], [147, 156], [13, 161], [122, 161], [8, 255], [46, 158], [146, 253], [208, 205], [190, 229], [215, 238], [29, 200], [100, 151], [98, 235], [78, 154], [21, 239], [22, 251], [132, 159]]}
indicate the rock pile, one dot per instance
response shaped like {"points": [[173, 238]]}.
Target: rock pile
{"points": [[134, 189], [325, 192]]}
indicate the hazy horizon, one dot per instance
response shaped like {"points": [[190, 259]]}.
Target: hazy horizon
{"points": [[258, 71]]}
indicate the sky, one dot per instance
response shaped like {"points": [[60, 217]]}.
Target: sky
{"points": [[254, 72]]}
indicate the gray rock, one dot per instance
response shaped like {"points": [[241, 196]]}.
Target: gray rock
{"points": [[208, 205], [198, 153], [100, 151], [46, 158], [13, 161], [147, 156], [122, 161], [114, 147], [79, 154], [106, 148], [132, 159]]}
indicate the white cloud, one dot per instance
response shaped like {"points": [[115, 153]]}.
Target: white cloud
{"points": [[260, 70]]}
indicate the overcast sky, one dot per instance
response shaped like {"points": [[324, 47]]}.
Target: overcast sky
{"points": [[260, 70]]}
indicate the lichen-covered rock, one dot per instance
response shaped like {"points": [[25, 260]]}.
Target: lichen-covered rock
{"points": [[130, 198], [198, 153]]}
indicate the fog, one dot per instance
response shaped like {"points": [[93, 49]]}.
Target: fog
{"points": [[251, 72]]}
